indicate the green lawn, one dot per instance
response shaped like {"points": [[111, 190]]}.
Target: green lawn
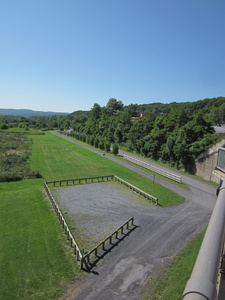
{"points": [[56, 159], [35, 260]]}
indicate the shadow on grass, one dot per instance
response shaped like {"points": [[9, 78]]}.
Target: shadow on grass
{"points": [[88, 265]]}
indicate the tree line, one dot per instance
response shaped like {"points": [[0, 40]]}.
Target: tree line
{"points": [[175, 133]]}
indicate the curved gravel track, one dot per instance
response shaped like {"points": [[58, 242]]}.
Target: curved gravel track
{"points": [[160, 235]]}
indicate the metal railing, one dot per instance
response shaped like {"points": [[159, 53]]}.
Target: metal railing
{"points": [[202, 284]]}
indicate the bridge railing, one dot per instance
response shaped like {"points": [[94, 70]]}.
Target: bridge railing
{"points": [[202, 284]]}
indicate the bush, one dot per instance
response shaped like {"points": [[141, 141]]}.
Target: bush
{"points": [[107, 146], [4, 126], [9, 176], [34, 174], [115, 149]]}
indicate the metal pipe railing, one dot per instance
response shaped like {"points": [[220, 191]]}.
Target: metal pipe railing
{"points": [[202, 284]]}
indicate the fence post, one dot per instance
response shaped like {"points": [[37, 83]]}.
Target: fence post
{"points": [[103, 245]]}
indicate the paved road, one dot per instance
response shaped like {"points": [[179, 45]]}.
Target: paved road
{"points": [[161, 234]]}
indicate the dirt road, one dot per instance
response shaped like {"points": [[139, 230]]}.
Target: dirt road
{"points": [[160, 234]]}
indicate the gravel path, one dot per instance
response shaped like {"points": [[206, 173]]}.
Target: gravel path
{"points": [[160, 235]]}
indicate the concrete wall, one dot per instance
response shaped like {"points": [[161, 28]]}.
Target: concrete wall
{"points": [[206, 163]]}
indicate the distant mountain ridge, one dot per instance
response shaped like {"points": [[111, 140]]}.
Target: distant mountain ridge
{"points": [[29, 112]]}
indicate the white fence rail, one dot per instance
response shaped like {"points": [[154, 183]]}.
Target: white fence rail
{"points": [[150, 167]]}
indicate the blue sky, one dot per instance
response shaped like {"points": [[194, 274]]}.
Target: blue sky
{"points": [[66, 55]]}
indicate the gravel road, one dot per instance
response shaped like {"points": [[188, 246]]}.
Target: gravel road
{"points": [[160, 234]]}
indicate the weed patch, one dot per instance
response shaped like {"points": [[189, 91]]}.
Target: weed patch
{"points": [[15, 149]]}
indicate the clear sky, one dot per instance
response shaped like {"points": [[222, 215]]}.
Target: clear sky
{"points": [[66, 55]]}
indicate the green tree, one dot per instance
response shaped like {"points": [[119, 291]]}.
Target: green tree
{"points": [[113, 106], [115, 149]]}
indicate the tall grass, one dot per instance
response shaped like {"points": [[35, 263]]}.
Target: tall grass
{"points": [[14, 157]]}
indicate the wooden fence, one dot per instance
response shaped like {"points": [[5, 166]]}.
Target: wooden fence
{"points": [[74, 245], [85, 259], [90, 258], [86, 180], [150, 167], [137, 190], [81, 180]]}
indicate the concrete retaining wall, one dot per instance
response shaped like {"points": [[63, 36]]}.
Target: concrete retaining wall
{"points": [[206, 163]]}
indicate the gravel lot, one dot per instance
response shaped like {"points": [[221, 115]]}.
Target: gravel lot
{"points": [[98, 209], [160, 235]]}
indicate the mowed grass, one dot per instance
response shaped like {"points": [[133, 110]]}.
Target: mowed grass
{"points": [[58, 159], [36, 262]]}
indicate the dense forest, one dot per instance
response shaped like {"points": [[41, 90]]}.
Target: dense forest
{"points": [[175, 133]]}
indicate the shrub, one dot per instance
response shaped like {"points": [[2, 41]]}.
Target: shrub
{"points": [[9, 176], [4, 126], [115, 149], [107, 146]]}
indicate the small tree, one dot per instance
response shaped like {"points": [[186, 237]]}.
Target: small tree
{"points": [[115, 149], [4, 126], [107, 146]]}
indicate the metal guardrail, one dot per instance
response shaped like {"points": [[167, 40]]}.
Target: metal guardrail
{"points": [[202, 284], [150, 167]]}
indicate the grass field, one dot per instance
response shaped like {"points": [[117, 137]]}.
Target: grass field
{"points": [[35, 261], [56, 159]]}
